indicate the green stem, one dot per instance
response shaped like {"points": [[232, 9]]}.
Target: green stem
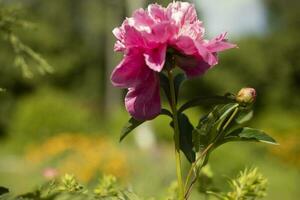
{"points": [[230, 119], [194, 168], [176, 136], [194, 165]]}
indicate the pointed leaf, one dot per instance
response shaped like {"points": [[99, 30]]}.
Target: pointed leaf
{"points": [[223, 111], [164, 83], [249, 134], [131, 124], [201, 133], [178, 81], [244, 116], [213, 100], [166, 112], [206, 130], [186, 138]]}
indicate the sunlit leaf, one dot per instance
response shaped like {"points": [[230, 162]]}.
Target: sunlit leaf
{"points": [[207, 129], [244, 116], [249, 134], [131, 125], [213, 100]]}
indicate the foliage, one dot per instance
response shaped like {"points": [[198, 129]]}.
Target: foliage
{"points": [[67, 187], [47, 113], [10, 20], [249, 185], [106, 187], [272, 58], [224, 123]]}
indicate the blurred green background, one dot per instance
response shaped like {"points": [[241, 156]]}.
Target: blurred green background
{"points": [[70, 120]]}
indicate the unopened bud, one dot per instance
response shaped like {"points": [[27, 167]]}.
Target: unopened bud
{"points": [[246, 95]]}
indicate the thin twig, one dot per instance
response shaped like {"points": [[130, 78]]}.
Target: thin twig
{"points": [[194, 165]]}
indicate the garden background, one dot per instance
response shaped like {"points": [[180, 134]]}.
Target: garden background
{"points": [[70, 120]]}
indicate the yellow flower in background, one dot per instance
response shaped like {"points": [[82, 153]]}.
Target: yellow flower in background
{"points": [[289, 148], [84, 156]]}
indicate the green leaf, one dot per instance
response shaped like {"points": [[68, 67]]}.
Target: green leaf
{"points": [[3, 190], [213, 100], [166, 112], [244, 116], [127, 195], [131, 124], [164, 83], [178, 81], [206, 130], [201, 133], [185, 136], [249, 134]]}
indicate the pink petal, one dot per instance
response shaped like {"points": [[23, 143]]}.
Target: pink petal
{"points": [[181, 12], [119, 46], [185, 45], [141, 20], [219, 44], [118, 33], [157, 12], [193, 66], [155, 58], [161, 32], [130, 72], [133, 38], [143, 102], [209, 57], [195, 31]]}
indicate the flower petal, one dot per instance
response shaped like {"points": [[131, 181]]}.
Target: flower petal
{"points": [[155, 58], [133, 38], [185, 45], [209, 57], [181, 12], [157, 12], [131, 71], [193, 66], [219, 44], [119, 33], [143, 102], [141, 20]]}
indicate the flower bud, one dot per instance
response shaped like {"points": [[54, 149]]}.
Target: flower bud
{"points": [[246, 95]]}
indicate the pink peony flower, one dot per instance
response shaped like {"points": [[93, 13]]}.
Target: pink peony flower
{"points": [[145, 38]]}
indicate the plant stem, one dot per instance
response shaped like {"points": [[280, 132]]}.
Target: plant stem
{"points": [[204, 152], [194, 167], [176, 136]]}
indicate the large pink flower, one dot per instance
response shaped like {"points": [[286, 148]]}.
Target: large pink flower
{"points": [[144, 39]]}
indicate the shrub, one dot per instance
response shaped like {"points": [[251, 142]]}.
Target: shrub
{"points": [[46, 113]]}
